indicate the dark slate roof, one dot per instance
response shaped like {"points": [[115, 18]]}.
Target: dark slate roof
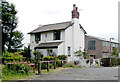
{"points": [[48, 45], [56, 26], [51, 27]]}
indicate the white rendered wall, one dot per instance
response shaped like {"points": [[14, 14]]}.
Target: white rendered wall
{"points": [[32, 43], [68, 42], [49, 38], [79, 36], [78, 41]]}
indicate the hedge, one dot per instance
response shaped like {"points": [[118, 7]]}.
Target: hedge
{"points": [[114, 62]]}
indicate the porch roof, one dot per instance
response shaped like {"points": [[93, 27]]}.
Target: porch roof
{"points": [[48, 45]]}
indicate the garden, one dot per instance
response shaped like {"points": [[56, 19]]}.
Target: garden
{"points": [[16, 66]]}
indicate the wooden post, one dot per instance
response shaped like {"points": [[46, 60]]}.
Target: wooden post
{"points": [[48, 66], [39, 67], [33, 68], [61, 63], [55, 65]]}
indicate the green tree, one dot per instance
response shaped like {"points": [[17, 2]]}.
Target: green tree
{"points": [[79, 52], [26, 52], [9, 24], [115, 52], [84, 54]]}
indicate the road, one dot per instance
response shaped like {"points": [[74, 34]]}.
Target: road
{"points": [[103, 73]]}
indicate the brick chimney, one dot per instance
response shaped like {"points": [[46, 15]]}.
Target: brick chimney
{"points": [[75, 13]]}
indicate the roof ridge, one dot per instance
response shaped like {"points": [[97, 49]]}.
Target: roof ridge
{"points": [[57, 23]]}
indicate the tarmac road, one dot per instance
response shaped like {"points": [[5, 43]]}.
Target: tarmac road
{"points": [[102, 73]]}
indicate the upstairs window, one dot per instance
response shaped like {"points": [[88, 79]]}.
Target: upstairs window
{"points": [[105, 44], [56, 35], [37, 37], [91, 45]]}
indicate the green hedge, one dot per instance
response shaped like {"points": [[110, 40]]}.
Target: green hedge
{"points": [[114, 62], [15, 69]]}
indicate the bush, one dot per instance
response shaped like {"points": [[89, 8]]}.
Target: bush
{"points": [[106, 62], [37, 54], [12, 57], [47, 58], [114, 61], [15, 69], [62, 57], [58, 63], [118, 59], [69, 65]]}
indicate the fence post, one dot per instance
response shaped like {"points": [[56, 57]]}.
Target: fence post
{"points": [[39, 67], [48, 66], [55, 65], [33, 68], [61, 63]]}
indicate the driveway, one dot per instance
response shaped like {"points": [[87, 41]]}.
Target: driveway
{"points": [[103, 73]]}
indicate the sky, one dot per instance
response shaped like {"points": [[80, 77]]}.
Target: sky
{"points": [[98, 17]]}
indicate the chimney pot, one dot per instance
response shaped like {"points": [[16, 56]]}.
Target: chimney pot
{"points": [[76, 8]]}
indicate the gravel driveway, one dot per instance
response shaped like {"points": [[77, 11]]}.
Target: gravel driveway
{"points": [[103, 73]]}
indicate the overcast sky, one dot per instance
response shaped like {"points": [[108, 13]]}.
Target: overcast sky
{"points": [[98, 17]]}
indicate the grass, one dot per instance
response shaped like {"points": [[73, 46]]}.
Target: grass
{"points": [[18, 77], [67, 73]]}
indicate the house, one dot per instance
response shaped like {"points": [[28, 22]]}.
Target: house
{"points": [[99, 47], [60, 38]]}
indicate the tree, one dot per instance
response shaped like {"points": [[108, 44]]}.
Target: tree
{"points": [[83, 54], [115, 52], [11, 38], [26, 52]]}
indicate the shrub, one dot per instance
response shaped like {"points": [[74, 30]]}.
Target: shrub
{"points": [[58, 63], [47, 58], [15, 69], [114, 61], [118, 60], [106, 62], [62, 57], [69, 65], [37, 54], [12, 57]]}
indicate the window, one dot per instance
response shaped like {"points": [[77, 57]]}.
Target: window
{"points": [[91, 45], [56, 35], [69, 51], [105, 44], [37, 37]]}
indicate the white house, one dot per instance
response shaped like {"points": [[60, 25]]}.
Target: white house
{"points": [[60, 38]]}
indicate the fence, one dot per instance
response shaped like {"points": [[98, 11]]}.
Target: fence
{"points": [[48, 67], [39, 64]]}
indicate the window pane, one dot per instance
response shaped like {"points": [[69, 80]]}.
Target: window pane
{"points": [[91, 45], [56, 35], [37, 37]]}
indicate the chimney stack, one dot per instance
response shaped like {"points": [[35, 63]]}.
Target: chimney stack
{"points": [[75, 13]]}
